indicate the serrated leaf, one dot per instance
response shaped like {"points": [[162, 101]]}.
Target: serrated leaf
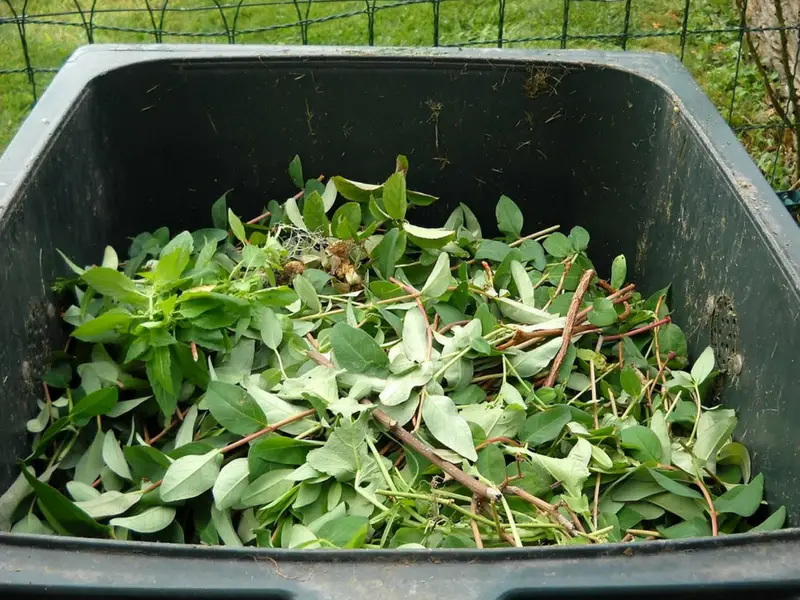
{"points": [[190, 476], [113, 284], [109, 322], [447, 426], [148, 521]]}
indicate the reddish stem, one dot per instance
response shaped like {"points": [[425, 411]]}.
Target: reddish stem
{"points": [[572, 314], [644, 329], [711, 510], [268, 429]]}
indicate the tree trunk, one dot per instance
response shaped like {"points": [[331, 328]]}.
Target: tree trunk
{"points": [[776, 50]]}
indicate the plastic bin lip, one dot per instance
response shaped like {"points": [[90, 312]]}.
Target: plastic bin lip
{"points": [[90, 62]]}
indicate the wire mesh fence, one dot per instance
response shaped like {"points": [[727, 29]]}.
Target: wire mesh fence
{"points": [[744, 53]]}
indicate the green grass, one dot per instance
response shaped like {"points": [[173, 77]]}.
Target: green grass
{"points": [[712, 58]]}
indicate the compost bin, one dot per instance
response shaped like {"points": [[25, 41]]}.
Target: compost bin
{"points": [[128, 138]]}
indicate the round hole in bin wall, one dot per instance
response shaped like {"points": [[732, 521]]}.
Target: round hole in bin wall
{"points": [[725, 336]]}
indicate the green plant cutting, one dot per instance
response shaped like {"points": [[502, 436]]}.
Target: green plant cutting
{"points": [[331, 374]]}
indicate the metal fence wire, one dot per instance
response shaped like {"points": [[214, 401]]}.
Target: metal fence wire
{"points": [[744, 53]]}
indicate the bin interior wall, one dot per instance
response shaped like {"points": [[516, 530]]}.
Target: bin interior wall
{"points": [[155, 144]]}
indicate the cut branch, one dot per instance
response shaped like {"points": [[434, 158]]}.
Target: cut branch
{"points": [[572, 314]]}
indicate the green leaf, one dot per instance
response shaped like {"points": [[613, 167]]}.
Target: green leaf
{"points": [[579, 238], [232, 480], [713, 430], [270, 327], [635, 490], [357, 351], [492, 464], [164, 379], [532, 362], [703, 366], [672, 339], [445, 424], [603, 313], [737, 454], [115, 285], [236, 227], [110, 321], [292, 211], [185, 433], [314, 213], [346, 220], [492, 250], [428, 238], [307, 293], [149, 521], [73, 267], [394, 196], [91, 462], [355, 190], [686, 508], [276, 297], [170, 266], [659, 426], [673, 486], [532, 251], [146, 462], [523, 283], [415, 336], [269, 487], [571, 471], [558, 245], [345, 532], [62, 514], [772, 523], [519, 312], [97, 403], [619, 271], [509, 217], [113, 456], [629, 379], [439, 279], [742, 500], [219, 213], [642, 442], [190, 476], [387, 252], [487, 319], [296, 172], [234, 408], [697, 527], [545, 426], [109, 504]]}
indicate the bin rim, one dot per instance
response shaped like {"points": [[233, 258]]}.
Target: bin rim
{"points": [[769, 554]]}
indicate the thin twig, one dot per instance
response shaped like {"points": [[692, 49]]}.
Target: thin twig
{"points": [[543, 506], [166, 429], [572, 313], [408, 439], [268, 429], [476, 533], [532, 236], [663, 366], [594, 393], [596, 502], [449, 326], [632, 332], [494, 440], [711, 510], [560, 286]]}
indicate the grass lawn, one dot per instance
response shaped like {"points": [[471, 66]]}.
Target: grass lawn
{"points": [[712, 58]]}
